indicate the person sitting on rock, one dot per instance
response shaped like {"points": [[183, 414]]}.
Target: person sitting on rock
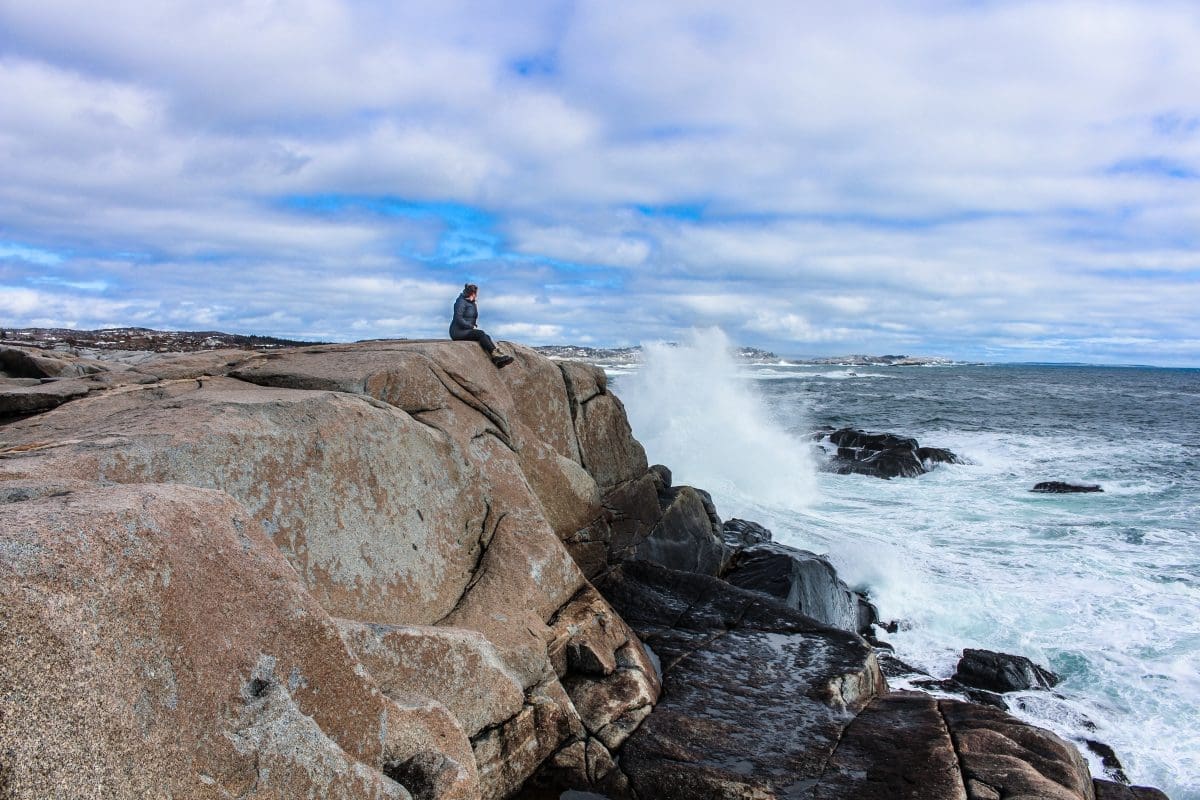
{"points": [[464, 327]]}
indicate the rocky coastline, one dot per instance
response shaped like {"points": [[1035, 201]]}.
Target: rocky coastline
{"points": [[389, 570]]}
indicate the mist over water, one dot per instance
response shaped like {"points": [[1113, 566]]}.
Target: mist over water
{"points": [[1104, 589]]}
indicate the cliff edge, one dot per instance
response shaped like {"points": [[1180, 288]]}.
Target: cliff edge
{"points": [[388, 570]]}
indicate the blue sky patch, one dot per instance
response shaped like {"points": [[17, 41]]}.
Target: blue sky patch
{"points": [[30, 255], [1154, 168]]}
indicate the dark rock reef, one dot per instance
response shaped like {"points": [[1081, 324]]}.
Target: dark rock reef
{"points": [[881, 455], [388, 570]]}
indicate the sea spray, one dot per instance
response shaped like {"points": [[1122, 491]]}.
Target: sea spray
{"points": [[693, 411]]}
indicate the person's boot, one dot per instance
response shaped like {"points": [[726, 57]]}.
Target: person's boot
{"points": [[500, 360]]}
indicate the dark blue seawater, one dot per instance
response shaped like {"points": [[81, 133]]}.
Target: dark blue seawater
{"points": [[1102, 588]]}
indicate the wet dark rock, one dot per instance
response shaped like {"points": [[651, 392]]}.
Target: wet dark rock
{"points": [[1061, 487], [686, 536], [1001, 672], [883, 455], [1111, 790], [1113, 767], [755, 695], [802, 580], [741, 533], [949, 685], [663, 475], [937, 455]]}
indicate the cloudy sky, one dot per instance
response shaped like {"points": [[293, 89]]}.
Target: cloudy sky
{"points": [[975, 179]]}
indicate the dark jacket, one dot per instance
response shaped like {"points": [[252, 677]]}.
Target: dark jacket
{"points": [[465, 317]]}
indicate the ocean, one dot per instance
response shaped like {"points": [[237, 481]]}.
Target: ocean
{"points": [[1102, 588]]}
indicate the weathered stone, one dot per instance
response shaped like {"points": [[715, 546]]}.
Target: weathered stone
{"points": [[541, 402], [604, 667], [201, 659], [802, 580], [568, 495], [606, 444], [33, 362], [633, 511], [1012, 758], [740, 533], [1001, 672], [1111, 790], [354, 494], [507, 754], [587, 636], [458, 668], [206, 363], [23, 400]]}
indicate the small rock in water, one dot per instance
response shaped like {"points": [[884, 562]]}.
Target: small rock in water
{"points": [[1061, 487], [1001, 672]]}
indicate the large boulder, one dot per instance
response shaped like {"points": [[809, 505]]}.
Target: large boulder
{"points": [[156, 643], [415, 502], [802, 580], [353, 494]]}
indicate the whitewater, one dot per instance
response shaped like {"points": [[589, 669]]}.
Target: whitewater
{"points": [[1104, 589]]}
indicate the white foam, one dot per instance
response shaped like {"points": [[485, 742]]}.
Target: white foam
{"points": [[694, 410]]}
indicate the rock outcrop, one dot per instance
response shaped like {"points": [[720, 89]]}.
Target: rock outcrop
{"points": [[409, 502], [881, 455], [388, 570]]}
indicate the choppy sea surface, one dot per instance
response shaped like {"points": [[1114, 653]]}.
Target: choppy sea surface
{"points": [[1104, 589]]}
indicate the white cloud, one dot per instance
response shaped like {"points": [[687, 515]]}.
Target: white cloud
{"points": [[858, 176]]}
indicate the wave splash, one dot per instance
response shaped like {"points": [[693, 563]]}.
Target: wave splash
{"points": [[693, 411]]}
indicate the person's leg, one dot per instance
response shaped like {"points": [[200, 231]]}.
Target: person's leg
{"points": [[483, 339]]}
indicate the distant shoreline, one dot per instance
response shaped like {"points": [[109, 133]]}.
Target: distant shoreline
{"points": [[134, 339]]}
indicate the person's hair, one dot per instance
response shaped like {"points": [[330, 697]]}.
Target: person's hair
{"points": [[470, 289]]}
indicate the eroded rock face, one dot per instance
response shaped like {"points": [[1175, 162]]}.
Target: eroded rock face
{"points": [[352, 493], [161, 621]]}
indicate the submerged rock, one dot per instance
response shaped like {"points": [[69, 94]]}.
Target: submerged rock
{"points": [[1061, 487]]}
